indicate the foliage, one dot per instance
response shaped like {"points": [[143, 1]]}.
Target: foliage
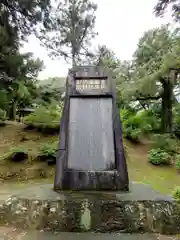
{"points": [[176, 120], [4, 99], [165, 142], [151, 120], [131, 127], [158, 156], [16, 154], [45, 119], [2, 118], [135, 125], [162, 5], [154, 71], [53, 82], [17, 20], [20, 88], [2, 115], [50, 90], [70, 29], [177, 161], [23, 16], [18, 71], [48, 149], [105, 57], [48, 152], [176, 194]]}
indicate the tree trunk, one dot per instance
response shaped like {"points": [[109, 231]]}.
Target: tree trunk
{"points": [[12, 111], [167, 101], [73, 59], [73, 62]]}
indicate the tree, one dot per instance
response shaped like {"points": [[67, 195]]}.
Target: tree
{"points": [[119, 70], [50, 90], [162, 5], [17, 20], [23, 16], [22, 72], [157, 65], [70, 29], [105, 57]]}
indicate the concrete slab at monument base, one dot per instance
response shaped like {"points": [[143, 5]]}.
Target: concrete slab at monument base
{"points": [[140, 210]]}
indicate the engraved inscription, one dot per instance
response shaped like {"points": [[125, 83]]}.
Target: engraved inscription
{"points": [[90, 84]]}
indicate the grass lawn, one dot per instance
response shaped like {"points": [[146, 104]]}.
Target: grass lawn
{"points": [[163, 179]]}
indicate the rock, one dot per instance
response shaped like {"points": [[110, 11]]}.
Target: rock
{"points": [[2, 123], [24, 138], [18, 156], [51, 161]]}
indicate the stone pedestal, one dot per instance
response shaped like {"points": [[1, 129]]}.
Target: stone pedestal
{"points": [[140, 210]]}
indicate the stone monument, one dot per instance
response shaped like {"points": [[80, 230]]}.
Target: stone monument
{"points": [[91, 154]]}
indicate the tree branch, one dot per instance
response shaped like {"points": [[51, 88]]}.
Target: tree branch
{"points": [[145, 98]]}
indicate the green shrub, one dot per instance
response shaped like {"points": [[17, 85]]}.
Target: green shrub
{"points": [[176, 194], [176, 120], [47, 152], [159, 157], [131, 128], [177, 161], [138, 124], [48, 149], [2, 114], [45, 119], [16, 154], [150, 122], [166, 142], [135, 125]]}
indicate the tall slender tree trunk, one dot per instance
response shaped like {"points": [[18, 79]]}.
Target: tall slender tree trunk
{"points": [[12, 111], [167, 101], [73, 61]]}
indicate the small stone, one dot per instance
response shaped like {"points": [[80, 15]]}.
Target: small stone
{"points": [[18, 212], [24, 209], [53, 210], [23, 234]]}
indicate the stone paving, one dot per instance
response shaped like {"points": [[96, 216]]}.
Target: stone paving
{"points": [[8, 233], [17, 234]]}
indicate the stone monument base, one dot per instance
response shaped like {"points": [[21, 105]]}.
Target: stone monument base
{"points": [[141, 210], [93, 181]]}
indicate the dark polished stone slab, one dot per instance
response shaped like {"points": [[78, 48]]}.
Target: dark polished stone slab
{"points": [[91, 144]]}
